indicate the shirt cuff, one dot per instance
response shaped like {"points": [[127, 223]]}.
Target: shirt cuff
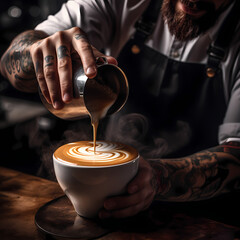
{"points": [[229, 132]]}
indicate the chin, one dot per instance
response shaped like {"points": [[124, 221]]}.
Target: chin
{"points": [[186, 20]]}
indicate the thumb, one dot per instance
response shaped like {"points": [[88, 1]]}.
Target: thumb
{"points": [[142, 178]]}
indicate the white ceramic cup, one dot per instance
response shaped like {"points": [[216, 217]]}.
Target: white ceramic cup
{"points": [[88, 186]]}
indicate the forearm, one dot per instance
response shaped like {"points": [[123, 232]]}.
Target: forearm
{"points": [[200, 176], [16, 62]]}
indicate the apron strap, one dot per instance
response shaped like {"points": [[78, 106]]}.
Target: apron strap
{"points": [[145, 25], [217, 50]]}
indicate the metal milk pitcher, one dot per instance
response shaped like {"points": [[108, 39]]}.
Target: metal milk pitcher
{"points": [[88, 94]]}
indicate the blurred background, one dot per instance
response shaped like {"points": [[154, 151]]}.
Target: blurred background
{"points": [[19, 15], [25, 125]]}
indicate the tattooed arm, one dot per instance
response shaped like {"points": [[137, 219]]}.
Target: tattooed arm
{"points": [[34, 58], [16, 62], [200, 176]]}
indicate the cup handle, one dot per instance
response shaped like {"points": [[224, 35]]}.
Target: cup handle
{"points": [[101, 61]]}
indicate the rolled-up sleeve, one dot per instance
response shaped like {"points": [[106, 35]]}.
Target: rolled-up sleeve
{"points": [[96, 18], [231, 124]]}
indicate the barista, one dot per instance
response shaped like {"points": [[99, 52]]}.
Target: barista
{"points": [[182, 62]]}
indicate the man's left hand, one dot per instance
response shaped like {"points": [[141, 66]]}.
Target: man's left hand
{"points": [[141, 192]]}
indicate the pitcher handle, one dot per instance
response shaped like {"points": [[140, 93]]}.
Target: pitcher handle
{"points": [[101, 61]]}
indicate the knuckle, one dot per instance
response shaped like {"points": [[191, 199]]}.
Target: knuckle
{"points": [[64, 64], [60, 35], [86, 47], [49, 73], [36, 54], [76, 30], [47, 42], [40, 77]]}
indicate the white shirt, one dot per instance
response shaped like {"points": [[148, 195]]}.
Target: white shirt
{"points": [[109, 25]]}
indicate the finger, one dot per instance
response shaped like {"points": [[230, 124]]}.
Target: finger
{"points": [[110, 59], [84, 49], [142, 178], [51, 77], [123, 213], [38, 65], [148, 201], [127, 201], [128, 211], [65, 72], [41, 81]]}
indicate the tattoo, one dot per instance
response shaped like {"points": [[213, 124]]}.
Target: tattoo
{"points": [[23, 79], [27, 39], [80, 36], [12, 64], [7, 62], [200, 176], [39, 42], [17, 59], [26, 63], [49, 60], [62, 51], [22, 83]]}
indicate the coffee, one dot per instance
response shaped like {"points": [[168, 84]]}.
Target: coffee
{"points": [[99, 97], [106, 154], [88, 178]]}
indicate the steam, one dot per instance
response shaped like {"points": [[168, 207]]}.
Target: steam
{"points": [[46, 134], [135, 129], [75, 131]]}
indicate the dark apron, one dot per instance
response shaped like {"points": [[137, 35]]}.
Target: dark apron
{"points": [[174, 108]]}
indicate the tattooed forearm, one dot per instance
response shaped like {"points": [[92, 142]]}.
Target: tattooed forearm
{"points": [[17, 59], [27, 38], [199, 176]]}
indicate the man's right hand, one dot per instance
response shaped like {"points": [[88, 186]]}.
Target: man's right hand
{"points": [[52, 58]]}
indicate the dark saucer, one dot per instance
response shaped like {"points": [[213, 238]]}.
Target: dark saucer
{"points": [[58, 218]]}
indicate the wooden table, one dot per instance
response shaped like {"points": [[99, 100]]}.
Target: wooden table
{"points": [[21, 196]]}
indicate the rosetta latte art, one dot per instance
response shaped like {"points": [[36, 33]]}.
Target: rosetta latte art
{"points": [[107, 153]]}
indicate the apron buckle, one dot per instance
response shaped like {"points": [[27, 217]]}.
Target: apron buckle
{"points": [[210, 72]]}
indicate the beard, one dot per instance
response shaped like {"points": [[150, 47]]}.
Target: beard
{"points": [[185, 27]]}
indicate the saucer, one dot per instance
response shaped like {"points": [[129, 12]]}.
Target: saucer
{"points": [[59, 219]]}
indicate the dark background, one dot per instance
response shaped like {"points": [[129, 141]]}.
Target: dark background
{"points": [[20, 15], [29, 133], [25, 125]]}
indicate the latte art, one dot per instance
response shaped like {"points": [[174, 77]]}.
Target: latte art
{"points": [[107, 153]]}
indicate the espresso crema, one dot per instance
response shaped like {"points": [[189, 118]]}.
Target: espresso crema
{"points": [[106, 154]]}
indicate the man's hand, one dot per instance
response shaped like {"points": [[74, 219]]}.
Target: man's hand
{"points": [[33, 57], [52, 58], [141, 192]]}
